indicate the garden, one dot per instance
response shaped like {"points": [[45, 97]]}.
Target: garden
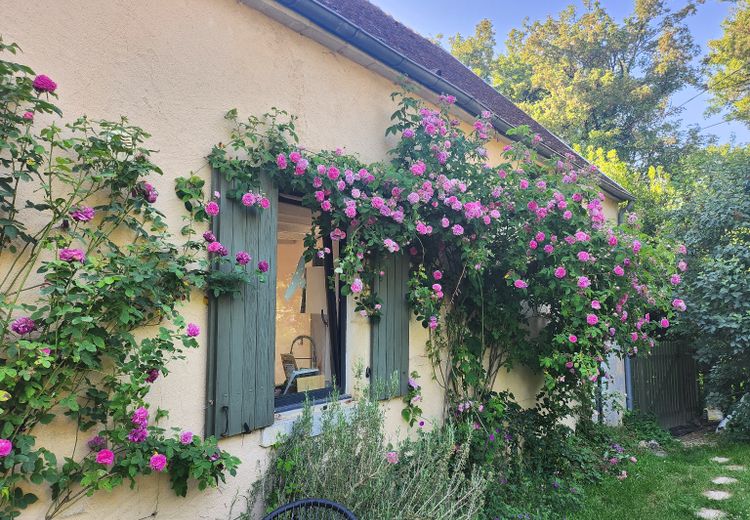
{"points": [[511, 264]]}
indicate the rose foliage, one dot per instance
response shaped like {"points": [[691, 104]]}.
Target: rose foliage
{"points": [[90, 288], [512, 260]]}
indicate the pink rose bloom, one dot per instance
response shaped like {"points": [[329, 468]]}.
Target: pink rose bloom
{"points": [[28, 116], [520, 284], [418, 168], [682, 266], [633, 460], [569, 365], [140, 417], [540, 236], [193, 330], [612, 240], [437, 275], [573, 338], [391, 457], [23, 325], [43, 83], [583, 282], [281, 161], [560, 272], [295, 157], [636, 246], [186, 438], [596, 304], [242, 257], [679, 304], [584, 256], [158, 462], [249, 199], [357, 286], [212, 208], [682, 249], [105, 457], [592, 319], [82, 214], [263, 266], [675, 279], [457, 229], [549, 248], [533, 244], [433, 323], [338, 234], [408, 133], [664, 323], [72, 255], [524, 184], [6, 447], [325, 205], [216, 247], [265, 203], [618, 270], [567, 215]]}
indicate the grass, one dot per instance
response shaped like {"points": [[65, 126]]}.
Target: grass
{"points": [[671, 488]]}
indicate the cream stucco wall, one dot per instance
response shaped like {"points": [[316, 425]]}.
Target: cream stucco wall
{"points": [[174, 67]]}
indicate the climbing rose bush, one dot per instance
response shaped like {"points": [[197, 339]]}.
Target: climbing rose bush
{"points": [[85, 265], [504, 245]]}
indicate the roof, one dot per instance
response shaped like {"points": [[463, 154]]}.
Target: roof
{"points": [[371, 30]]}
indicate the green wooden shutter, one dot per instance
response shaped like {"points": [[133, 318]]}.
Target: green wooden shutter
{"points": [[389, 342], [242, 327]]}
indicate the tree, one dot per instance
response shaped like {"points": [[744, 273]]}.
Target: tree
{"points": [[729, 63], [656, 195], [715, 223], [476, 52], [594, 80]]}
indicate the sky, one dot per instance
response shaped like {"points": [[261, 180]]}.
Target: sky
{"points": [[447, 17]]}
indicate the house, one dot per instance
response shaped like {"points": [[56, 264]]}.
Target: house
{"points": [[174, 68]]}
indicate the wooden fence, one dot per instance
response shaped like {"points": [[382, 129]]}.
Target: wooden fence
{"points": [[665, 383]]}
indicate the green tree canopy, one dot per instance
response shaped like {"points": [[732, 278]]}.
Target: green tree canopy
{"points": [[594, 80], [729, 64]]}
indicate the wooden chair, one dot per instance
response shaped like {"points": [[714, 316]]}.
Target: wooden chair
{"points": [[292, 371]]}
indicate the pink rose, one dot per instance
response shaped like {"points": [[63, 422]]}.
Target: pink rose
{"points": [[105, 457], [6, 447], [158, 462], [592, 319], [391, 457], [520, 284], [43, 83]]}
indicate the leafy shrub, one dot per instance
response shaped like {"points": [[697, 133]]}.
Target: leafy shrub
{"points": [[349, 462]]}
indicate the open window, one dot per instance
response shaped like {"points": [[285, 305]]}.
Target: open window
{"points": [[308, 346]]}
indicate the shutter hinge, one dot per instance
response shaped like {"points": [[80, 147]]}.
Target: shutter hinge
{"points": [[368, 372]]}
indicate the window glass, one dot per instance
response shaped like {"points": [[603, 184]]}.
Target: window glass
{"points": [[303, 357]]}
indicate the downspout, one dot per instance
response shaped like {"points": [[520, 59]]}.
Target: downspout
{"points": [[628, 367]]}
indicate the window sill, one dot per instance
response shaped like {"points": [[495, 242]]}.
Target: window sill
{"points": [[285, 418]]}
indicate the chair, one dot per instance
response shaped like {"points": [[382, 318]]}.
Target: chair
{"points": [[311, 509], [292, 371]]}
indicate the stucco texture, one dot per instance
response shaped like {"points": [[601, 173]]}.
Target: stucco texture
{"points": [[174, 67]]}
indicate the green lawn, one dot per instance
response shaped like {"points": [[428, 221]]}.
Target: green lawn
{"points": [[671, 488]]}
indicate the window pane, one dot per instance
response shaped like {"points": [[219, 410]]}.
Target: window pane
{"points": [[303, 350]]}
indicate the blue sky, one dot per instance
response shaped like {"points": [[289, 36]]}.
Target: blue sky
{"points": [[447, 17]]}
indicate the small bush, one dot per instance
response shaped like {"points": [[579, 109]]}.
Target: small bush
{"points": [[348, 462]]}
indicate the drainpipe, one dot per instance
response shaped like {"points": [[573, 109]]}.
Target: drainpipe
{"points": [[628, 367]]}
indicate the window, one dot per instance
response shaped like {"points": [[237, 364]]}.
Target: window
{"points": [[306, 347]]}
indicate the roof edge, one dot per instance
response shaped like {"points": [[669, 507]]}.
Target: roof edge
{"points": [[354, 35]]}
